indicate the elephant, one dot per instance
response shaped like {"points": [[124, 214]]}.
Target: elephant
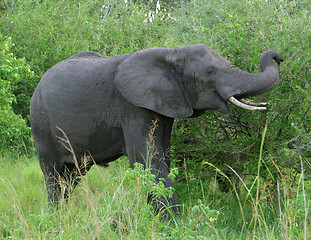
{"points": [[105, 106]]}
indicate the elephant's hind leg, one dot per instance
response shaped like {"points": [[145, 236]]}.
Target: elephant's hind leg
{"points": [[74, 169], [46, 148], [51, 167]]}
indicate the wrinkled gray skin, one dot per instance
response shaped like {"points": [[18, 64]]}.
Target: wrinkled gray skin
{"points": [[106, 105]]}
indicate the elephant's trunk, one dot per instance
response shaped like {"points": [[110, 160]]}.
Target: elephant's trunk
{"points": [[258, 83]]}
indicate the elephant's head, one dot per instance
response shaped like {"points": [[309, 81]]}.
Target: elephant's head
{"points": [[178, 82]]}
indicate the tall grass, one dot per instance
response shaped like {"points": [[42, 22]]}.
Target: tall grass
{"points": [[111, 203]]}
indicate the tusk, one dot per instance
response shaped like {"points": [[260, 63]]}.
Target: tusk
{"points": [[262, 104], [245, 106]]}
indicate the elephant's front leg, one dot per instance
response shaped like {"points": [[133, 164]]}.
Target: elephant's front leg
{"points": [[147, 137]]}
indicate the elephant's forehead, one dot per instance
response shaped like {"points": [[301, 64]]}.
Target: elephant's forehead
{"points": [[215, 58], [207, 56]]}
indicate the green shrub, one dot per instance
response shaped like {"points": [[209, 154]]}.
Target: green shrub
{"points": [[14, 133], [241, 31]]}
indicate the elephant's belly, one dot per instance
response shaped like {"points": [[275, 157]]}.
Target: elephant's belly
{"points": [[106, 145], [108, 155]]}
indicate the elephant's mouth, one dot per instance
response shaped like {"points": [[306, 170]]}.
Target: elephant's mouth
{"points": [[248, 105]]}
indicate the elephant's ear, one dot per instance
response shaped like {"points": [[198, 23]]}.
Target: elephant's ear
{"points": [[148, 79]]}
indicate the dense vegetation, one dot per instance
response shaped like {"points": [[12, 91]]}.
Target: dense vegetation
{"points": [[243, 177]]}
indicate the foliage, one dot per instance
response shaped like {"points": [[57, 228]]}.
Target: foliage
{"points": [[240, 31], [14, 132]]}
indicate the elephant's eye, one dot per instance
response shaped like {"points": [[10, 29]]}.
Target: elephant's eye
{"points": [[211, 71]]}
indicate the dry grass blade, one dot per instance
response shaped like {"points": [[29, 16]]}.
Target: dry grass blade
{"points": [[304, 200]]}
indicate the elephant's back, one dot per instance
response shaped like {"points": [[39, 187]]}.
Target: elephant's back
{"points": [[82, 88], [85, 68]]}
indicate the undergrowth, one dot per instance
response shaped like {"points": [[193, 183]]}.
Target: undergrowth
{"points": [[111, 203]]}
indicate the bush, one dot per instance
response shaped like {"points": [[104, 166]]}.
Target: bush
{"points": [[241, 31], [15, 134]]}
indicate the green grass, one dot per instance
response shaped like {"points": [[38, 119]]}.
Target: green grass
{"points": [[110, 203]]}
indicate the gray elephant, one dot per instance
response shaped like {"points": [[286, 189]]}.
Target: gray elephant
{"points": [[106, 106]]}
